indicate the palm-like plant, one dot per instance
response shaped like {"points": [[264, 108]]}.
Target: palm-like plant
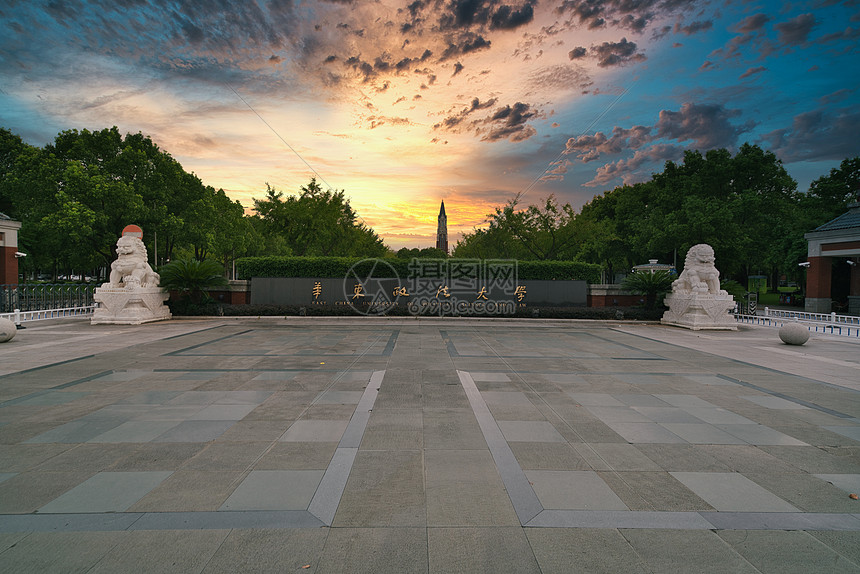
{"points": [[651, 285], [191, 278]]}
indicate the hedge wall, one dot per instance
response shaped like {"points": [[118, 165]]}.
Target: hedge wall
{"points": [[249, 267]]}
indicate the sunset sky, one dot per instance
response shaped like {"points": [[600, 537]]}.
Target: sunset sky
{"points": [[404, 104]]}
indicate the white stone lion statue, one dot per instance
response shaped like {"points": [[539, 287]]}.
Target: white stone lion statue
{"points": [[130, 269], [699, 276]]}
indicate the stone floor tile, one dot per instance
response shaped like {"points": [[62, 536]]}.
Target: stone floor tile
{"points": [[480, 551], [760, 434], [195, 431], [268, 551], [644, 433], [153, 456], [732, 492], [315, 431], [135, 432], [847, 482], [452, 429], [60, 552], [701, 433], [385, 488], [275, 490], [190, 491], [585, 550], [548, 456], [573, 490], [614, 456], [653, 491], [786, 552], [375, 550], [846, 543], [682, 457], [297, 456], [464, 489], [27, 491], [161, 551], [673, 551], [529, 431], [255, 431], [106, 492], [394, 429], [226, 455]]}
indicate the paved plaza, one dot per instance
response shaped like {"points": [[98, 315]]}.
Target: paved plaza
{"points": [[336, 445]]}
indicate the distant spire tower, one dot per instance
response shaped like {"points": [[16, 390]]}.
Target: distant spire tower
{"points": [[442, 230]]}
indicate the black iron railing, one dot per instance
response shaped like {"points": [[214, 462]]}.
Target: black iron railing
{"points": [[43, 296]]}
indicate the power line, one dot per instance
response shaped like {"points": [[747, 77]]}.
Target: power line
{"points": [[274, 131], [583, 132], [291, 148]]}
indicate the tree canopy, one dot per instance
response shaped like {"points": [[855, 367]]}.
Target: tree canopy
{"points": [[76, 194], [317, 222], [744, 205]]}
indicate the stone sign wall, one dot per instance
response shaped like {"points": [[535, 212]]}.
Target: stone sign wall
{"points": [[427, 297]]}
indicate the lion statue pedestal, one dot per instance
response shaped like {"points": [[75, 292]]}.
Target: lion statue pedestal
{"points": [[132, 295], [696, 301]]}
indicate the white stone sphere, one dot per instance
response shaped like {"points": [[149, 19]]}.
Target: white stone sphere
{"points": [[794, 334], [7, 330]]}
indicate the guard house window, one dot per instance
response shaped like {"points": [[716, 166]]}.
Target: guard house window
{"points": [[2, 238]]}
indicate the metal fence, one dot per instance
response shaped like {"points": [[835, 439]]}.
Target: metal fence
{"points": [[45, 296], [825, 323]]}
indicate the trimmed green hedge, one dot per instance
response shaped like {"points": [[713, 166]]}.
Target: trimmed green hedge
{"points": [[249, 267]]}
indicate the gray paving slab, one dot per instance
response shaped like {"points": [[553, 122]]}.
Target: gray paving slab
{"points": [[315, 431], [190, 491], [480, 550], [565, 550], [573, 490], [384, 488], [464, 489], [701, 433], [107, 492], [529, 431], [614, 456], [847, 482], [267, 550], [760, 434], [644, 432], [275, 490], [415, 469], [652, 491], [135, 431], [852, 432], [195, 431], [60, 552], [673, 551], [374, 550], [727, 491], [161, 551]]}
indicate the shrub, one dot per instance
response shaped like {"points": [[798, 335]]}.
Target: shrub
{"points": [[651, 285], [191, 278]]}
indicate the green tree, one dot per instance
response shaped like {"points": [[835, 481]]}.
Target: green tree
{"points": [[318, 222], [75, 195], [537, 232]]}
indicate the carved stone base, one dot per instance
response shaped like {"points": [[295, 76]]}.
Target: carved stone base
{"points": [[700, 311], [122, 306]]}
